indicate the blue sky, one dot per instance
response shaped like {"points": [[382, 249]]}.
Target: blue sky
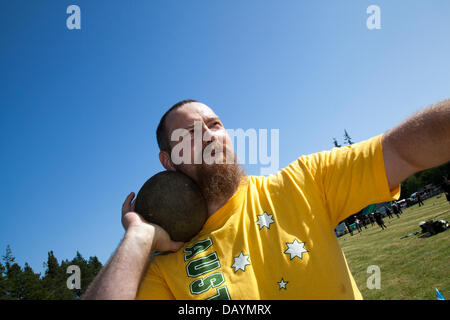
{"points": [[79, 108]]}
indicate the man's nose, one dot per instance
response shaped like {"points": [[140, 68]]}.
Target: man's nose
{"points": [[208, 137]]}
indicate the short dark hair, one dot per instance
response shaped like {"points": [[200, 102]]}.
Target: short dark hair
{"points": [[162, 136]]}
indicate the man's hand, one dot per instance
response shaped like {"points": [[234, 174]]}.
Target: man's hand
{"points": [[133, 222]]}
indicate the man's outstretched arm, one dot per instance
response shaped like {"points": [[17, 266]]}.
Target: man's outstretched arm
{"points": [[121, 276], [421, 142]]}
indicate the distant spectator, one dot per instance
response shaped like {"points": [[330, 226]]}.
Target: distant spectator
{"points": [[366, 221], [357, 224], [372, 219], [347, 224], [388, 212], [395, 209], [379, 220], [446, 188], [419, 199], [399, 207]]}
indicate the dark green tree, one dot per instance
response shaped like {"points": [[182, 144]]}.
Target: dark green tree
{"points": [[13, 282], [94, 267], [55, 280], [3, 279], [419, 180], [336, 143], [347, 138], [18, 283], [8, 258], [85, 274], [89, 269], [52, 266], [12, 272], [31, 286]]}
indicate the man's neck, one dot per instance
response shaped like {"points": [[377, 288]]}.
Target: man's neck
{"points": [[216, 205], [213, 207]]}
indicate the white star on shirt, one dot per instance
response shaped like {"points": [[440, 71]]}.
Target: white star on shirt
{"points": [[240, 262], [283, 284], [264, 220], [295, 249]]}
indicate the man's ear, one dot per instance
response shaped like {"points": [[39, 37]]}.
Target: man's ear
{"points": [[164, 158]]}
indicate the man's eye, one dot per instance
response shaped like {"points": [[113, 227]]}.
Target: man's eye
{"points": [[190, 133]]}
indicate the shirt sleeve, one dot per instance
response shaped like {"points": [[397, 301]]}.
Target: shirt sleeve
{"points": [[349, 178], [153, 286]]}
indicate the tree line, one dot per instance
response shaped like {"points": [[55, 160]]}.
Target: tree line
{"points": [[434, 176], [22, 283]]}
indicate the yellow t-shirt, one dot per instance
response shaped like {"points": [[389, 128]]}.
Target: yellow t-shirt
{"points": [[274, 239]]}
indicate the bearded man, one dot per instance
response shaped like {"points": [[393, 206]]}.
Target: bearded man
{"points": [[267, 237]]}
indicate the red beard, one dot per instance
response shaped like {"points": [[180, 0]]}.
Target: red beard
{"points": [[219, 182]]}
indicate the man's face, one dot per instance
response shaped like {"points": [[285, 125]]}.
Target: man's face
{"points": [[212, 132]]}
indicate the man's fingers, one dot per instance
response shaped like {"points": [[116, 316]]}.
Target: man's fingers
{"points": [[126, 204], [129, 198]]}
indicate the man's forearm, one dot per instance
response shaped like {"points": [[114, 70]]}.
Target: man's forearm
{"points": [[419, 143], [120, 278]]}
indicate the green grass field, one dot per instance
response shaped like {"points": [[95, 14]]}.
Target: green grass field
{"points": [[411, 268]]}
